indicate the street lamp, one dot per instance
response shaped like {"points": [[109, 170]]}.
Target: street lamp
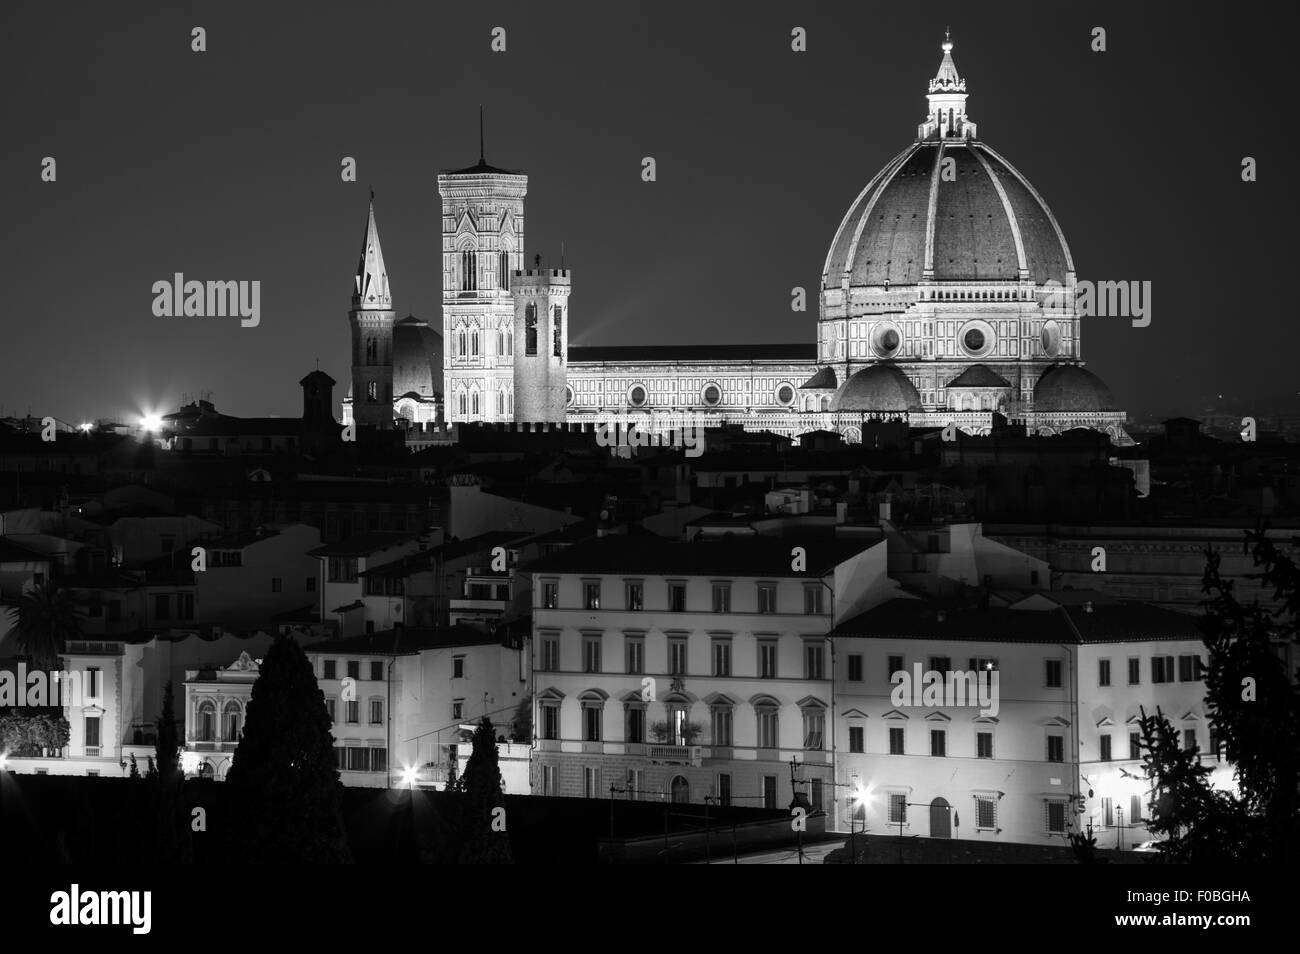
{"points": [[861, 798], [409, 775]]}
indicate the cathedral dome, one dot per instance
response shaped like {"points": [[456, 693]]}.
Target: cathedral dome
{"points": [[1071, 388], [923, 218], [878, 388], [417, 358]]}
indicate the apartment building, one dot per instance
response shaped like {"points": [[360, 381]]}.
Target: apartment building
{"points": [[1050, 747], [688, 671], [400, 700]]}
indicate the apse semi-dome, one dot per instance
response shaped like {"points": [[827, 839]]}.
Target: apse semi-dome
{"points": [[879, 388], [1070, 388], [417, 358], [922, 218]]}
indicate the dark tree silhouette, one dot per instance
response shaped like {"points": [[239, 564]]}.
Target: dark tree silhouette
{"points": [[483, 804], [171, 832], [1254, 709], [521, 727], [283, 789], [167, 745], [47, 618]]}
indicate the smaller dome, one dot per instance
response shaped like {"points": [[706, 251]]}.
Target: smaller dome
{"points": [[878, 388], [417, 359], [979, 376], [823, 380], [1071, 388]]}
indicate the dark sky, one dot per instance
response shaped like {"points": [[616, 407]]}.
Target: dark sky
{"points": [[225, 165]]}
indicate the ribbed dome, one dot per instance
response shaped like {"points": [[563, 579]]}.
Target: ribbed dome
{"points": [[1071, 388], [883, 238], [417, 358], [878, 388]]}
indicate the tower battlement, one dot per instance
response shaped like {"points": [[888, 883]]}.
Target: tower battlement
{"points": [[541, 276]]}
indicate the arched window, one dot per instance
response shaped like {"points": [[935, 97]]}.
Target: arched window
{"points": [[461, 402], [372, 351], [720, 717], [826, 403], [530, 329], [634, 720], [468, 271], [593, 714], [473, 403], [372, 392], [463, 340], [814, 726], [473, 342], [681, 790], [207, 721], [557, 330], [503, 270], [501, 401], [231, 721]]}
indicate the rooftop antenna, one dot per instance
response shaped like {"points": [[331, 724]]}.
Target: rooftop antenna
{"points": [[561, 256]]}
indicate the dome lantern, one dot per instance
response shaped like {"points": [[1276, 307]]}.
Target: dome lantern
{"points": [[946, 116]]}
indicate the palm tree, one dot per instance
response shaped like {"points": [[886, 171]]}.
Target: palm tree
{"points": [[47, 619]]}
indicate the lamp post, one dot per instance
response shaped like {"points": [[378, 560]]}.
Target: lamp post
{"points": [[902, 820]]}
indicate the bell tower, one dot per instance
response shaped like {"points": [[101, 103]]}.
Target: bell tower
{"points": [[482, 248], [372, 334]]}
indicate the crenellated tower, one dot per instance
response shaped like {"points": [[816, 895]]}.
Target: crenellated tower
{"points": [[541, 302]]}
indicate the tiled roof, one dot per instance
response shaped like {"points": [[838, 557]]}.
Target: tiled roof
{"points": [[1114, 622], [362, 544], [404, 642], [760, 556], [707, 352]]}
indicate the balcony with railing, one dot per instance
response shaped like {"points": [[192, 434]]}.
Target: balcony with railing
{"points": [[675, 754]]}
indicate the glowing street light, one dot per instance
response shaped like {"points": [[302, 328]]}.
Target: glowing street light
{"points": [[4, 761], [410, 774], [151, 422]]}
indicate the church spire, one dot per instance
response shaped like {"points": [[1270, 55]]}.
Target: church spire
{"points": [[946, 116], [371, 284]]}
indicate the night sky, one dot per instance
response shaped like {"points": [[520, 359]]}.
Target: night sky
{"points": [[225, 165]]}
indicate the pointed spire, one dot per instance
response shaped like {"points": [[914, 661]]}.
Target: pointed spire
{"points": [[947, 80], [481, 160], [370, 289]]}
